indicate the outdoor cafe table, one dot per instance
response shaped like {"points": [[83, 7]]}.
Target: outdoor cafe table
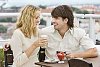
{"points": [[95, 62]]}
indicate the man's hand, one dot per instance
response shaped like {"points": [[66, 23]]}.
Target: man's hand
{"points": [[92, 52]]}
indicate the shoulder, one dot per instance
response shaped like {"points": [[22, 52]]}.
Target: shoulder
{"points": [[78, 32], [18, 32]]}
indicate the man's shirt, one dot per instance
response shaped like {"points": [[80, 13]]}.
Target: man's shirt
{"points": [[74, 40]]}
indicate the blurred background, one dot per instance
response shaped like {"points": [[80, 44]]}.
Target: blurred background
{"points": [[87, 15]]}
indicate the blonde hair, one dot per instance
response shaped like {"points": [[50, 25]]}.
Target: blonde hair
{"points": [[26, 21]]}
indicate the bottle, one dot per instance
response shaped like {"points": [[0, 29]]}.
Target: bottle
{"points": [[42, 51], [41, 54]]}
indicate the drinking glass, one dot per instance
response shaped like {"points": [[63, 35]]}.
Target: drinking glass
{"points": [[61, 55], [46, 37]]}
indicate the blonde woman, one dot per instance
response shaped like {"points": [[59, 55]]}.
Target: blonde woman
{"points": [[25, 42]]}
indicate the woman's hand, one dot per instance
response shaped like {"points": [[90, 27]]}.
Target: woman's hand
{"points": [[37, 43], [41, 42]]}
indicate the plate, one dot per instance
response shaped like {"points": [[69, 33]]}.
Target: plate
{"points": [[50, 61]]}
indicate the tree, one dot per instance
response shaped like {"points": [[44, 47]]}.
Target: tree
{"points": [[43, 7], [76, 10], [85, 12], [9, 19], [42, 22], [1, 57], [15, 8], [3, 29]]}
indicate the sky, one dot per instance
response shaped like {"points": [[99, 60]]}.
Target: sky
{"points": [[47, 2]]}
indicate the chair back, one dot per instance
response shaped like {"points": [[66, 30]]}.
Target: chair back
{"points": [[79, 63]]}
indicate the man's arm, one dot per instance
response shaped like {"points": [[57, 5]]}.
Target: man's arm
{"points": [[92, 52]]}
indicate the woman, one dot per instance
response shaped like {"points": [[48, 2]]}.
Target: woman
{"points": [[25, 42]]}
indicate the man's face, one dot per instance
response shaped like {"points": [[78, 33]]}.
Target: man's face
{"points": [[59, 23]]}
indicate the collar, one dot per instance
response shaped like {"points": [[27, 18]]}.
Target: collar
{"points": [[70, 30]]}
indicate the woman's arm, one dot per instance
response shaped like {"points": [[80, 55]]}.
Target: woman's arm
{"points": [[16, 43], [38, 43]]}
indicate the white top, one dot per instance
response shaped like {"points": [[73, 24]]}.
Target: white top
{"points": [[97, 30], [19, 43], [73, 40]]}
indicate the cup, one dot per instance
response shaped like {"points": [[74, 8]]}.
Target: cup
{"points": [[61, 55], [46, 37]]}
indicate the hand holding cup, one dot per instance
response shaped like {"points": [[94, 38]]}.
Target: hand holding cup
{"points": [[45, 37], [40, 42]]}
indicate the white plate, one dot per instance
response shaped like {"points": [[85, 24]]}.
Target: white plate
{"points": [[50, 61]]}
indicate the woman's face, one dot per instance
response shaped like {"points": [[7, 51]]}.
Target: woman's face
{"points": [[37, 18]]}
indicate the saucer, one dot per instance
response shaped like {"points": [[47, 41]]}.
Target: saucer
{"points": [[51, 61]]}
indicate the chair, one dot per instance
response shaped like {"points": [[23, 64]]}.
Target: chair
{"points": [[79, 63], [8, 55]]}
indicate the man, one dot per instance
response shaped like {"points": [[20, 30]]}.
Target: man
{"points": [[63, 36]]}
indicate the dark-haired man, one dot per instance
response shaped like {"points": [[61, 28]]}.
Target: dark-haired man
{"points": [[63, 36]]}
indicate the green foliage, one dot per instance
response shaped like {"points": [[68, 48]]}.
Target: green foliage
{"points": [[3, 29], [42, 22], [1, 57], [13, 20], [85, 12], [43, 7], [76, 10], [6, 20], [1, 54]]}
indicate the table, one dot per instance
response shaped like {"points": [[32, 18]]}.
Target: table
{"points": [[95, 62]]}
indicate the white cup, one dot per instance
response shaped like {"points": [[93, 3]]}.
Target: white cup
{"points": [[46, 37]]}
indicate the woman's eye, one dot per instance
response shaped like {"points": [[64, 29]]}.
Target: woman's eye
{"points": [[37, 17]]}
